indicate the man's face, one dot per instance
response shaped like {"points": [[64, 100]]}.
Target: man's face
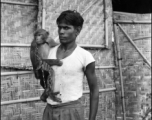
{"points": [[67, 33]]}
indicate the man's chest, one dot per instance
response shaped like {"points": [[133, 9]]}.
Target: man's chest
{"points": [[69, 67]]}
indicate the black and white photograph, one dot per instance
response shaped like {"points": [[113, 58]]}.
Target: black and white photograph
{"points": [[76, 60]]}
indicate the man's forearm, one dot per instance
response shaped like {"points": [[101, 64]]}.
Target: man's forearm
{"points": [[94, 99]]}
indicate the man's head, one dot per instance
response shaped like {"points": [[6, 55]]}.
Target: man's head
{"points": [[71, 18], [69, 25]]}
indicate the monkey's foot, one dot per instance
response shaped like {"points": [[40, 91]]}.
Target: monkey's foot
{"points": [[44, 96]]}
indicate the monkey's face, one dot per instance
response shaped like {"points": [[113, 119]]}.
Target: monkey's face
{"points": [[39, 39]]}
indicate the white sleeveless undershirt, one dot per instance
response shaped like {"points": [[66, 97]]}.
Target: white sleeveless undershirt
{"points": [[69, 77]]}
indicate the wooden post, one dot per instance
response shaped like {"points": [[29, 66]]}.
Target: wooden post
{"points": [[105, 24], [43, 14], [120, 72], [132, 22], [18, 3]]}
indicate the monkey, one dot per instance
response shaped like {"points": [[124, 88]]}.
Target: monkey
{"points": [[39, 51]]}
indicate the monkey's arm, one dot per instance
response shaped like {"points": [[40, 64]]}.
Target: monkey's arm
{"points": [[35, 64], [51, 42]]}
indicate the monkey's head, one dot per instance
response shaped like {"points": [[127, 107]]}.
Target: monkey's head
{"points": [[40, 36]]}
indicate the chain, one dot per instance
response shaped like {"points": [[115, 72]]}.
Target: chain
{"points": [[45, 66], [41, 62]]}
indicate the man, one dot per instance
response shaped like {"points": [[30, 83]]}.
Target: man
{"points": [[77, 63]]}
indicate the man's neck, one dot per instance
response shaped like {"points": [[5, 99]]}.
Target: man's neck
{"points": [[66, 47]]}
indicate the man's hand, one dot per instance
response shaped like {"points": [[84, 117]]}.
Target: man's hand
{"points": [[47, 93], [52, 62]]}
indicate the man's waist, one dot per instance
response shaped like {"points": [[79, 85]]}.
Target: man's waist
{"points": [[66, 104], [64, 99]]}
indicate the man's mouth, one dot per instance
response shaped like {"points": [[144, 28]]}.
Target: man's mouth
{"points": [[62, 38]]}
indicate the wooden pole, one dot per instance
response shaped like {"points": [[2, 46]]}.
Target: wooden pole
{"points": [[131, 22], [105, 67], [16, 73], [38, 98], [105, 24], [28, 45], [139, 38], [18, 3], [14, 45], [120, 72], [43, 14], [135, 46]]}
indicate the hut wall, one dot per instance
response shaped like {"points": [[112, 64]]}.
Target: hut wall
{"points": [[20, 90], [135, 71]]}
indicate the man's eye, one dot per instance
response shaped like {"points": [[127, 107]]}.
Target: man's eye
{"points": [[66, 28]]}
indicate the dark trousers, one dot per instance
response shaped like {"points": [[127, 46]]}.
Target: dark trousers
{"points": [[65, 111]]}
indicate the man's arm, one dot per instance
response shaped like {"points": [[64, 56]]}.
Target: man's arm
{"points": [[94, 90]]}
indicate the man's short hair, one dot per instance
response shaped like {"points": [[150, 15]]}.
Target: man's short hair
{"points": [[71, 17]]}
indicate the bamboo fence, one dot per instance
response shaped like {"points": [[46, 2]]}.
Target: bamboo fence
{"points": [[135, 50]]}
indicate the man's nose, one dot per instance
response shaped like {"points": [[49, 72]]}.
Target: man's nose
{"points": [[61, 31]]}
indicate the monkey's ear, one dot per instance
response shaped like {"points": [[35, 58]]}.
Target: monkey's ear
{"points": [[34, 34], [47, 33]]}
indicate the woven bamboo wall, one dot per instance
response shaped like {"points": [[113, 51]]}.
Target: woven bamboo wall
{"points": [[92, 12], [18, 24], [25, 86], [136, 73]]}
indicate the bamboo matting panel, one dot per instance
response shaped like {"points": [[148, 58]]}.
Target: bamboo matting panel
{"points": [[15, 57], [136, 73], [15, 87], [18, 23], [93, 29], [23, 111], [106, 107], [105, 78], [103, 57], [34, 110]]}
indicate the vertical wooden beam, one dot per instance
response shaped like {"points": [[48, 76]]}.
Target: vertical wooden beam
{"points": [[120, 71], [105, 24], [43, 13]]}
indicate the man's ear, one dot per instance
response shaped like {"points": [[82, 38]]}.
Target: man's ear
{"points": [[78, 30]]}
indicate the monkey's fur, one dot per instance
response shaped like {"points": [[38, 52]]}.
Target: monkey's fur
{"points": [[39, 51]]}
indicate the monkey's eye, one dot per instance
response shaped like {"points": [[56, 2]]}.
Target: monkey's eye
{"points": [[38, 34]]}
